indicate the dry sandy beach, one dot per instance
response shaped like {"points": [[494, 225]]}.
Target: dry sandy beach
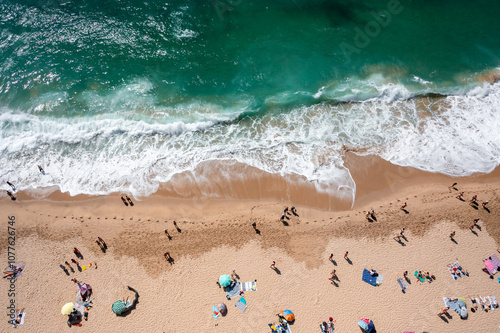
{"points": [[216, 237]]}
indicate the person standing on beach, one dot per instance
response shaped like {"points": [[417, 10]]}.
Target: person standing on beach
{"points": [[294, 211], [331, 257], [460, 196], [273, 265], [452, 235], [403, 207], [484, 204], [167, 255], [333, 275], [254, 225], [346, 254]]}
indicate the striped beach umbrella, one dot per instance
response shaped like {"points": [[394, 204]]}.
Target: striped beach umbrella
{"points": [[67, 309], [85, 290]]}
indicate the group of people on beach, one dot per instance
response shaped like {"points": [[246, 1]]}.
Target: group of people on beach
{"points": [[287, 212], [127, 201]]}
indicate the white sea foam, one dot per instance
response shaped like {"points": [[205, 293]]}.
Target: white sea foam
{"points": [[456, 135]]}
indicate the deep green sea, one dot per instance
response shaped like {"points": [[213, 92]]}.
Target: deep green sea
{"points": [[121, 96]]}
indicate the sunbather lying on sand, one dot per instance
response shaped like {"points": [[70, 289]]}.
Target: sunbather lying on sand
{"points": [[474, 307]]}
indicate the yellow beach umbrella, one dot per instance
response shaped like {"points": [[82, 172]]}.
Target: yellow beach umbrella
{"points": [[67, 308]]}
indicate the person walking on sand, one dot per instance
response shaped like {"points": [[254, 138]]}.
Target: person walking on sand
{"points": [[77, 252], [254, 225], [11, 185], [285, 211], [294, 211], [331, 257], [333, 275], [167, 255], [397, 237], [273, 265], [346, 254], [474, 199], [452, 235], [460, 196], [403, 207], [129, 200], [405, 275], [372, 213], [166, 233], [124, 201], [484, 204]]}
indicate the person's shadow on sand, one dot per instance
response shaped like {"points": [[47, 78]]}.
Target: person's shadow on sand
{"points": [[475, 233], [348, 261], [487, 209], [335, 283], [334, 262], [407, 279], [400, 242], [404, 237], [64, 269], [79, 268], [474, 206], [134, 303], [276, 269], [285, 223], [171, 260], [444, 319], [406, 212], [454, 241], [257, 231]]}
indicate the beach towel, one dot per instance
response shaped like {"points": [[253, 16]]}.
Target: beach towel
{"points": [[422, 279], [233, 291], [21, 322], [455, 270], [241, 304], [17, 272], [493, 302], [402, 284], [490, 301], [489, 266], [495, 261], [369, 278], [379, 280], [248, 286], [215, 312]]}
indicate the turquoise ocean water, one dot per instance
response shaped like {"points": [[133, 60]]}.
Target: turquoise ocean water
{"points": [[120, 96]]}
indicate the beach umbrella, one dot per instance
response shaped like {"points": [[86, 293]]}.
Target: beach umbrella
{"points": [[289, 316], [85, 290], [225, 280], [67, 309], [222, 307], [118, 307]]}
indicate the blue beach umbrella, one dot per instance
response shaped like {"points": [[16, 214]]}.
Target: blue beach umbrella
{"points": [[225, 280]]}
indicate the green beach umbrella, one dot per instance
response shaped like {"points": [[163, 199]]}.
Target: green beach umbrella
{"points": [[225, 280], [118, 307]]}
